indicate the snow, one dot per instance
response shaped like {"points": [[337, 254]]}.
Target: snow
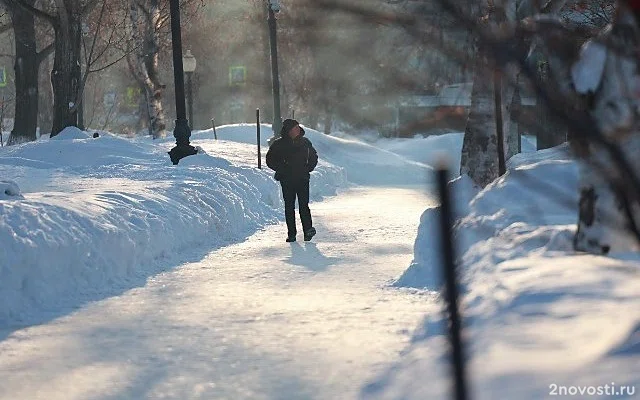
{"points": [[123, 276], [9, 190], [431, 149], [103, 210], [537, 314], [363, 163], [71, 133]]}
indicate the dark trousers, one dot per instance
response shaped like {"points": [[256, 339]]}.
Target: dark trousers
{"points": [[291, 190]]}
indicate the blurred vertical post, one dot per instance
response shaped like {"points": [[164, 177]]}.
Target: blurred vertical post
{"points": [[258, 137], [213, 125], [2, 122], [451, 286], [274, 7]]}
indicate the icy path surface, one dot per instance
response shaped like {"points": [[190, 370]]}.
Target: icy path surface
{"points": [[262, 319]]}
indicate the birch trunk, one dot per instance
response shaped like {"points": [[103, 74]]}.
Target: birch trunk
{"points": [[480, 146], [609, 206], [145, 21]]}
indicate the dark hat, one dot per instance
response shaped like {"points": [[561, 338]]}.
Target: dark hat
{"points": [[287, 125]]}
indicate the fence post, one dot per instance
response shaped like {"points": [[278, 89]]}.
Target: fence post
{"points": [[213, 125], [258, 137], [451, 286]]}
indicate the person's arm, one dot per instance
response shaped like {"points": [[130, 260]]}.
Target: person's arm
{"points": [[312, 156], [274, 157]]}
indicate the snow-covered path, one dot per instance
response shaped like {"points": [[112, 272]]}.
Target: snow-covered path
{"points": [[262, 319]]}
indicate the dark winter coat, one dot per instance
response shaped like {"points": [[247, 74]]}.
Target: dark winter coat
{"points": [[292, 159]]}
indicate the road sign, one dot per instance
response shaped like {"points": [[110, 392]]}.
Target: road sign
{"points": [[237, 75], [133, 96]]}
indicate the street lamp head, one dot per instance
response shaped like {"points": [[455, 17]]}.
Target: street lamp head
{"points": [[274, 5], [188, 62]]}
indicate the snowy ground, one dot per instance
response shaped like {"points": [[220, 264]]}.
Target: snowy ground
{"points": [[260, 319], [540, 318], [122, 276]]}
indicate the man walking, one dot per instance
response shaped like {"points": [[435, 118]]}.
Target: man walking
{"points": [[293, 157]]}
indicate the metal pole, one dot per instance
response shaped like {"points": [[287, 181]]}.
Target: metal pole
{"points": [[213, 124], [181, 131], [190, 99], [258, 137], [293, 114], [497, 95], [451, 286], [275, 77], [2, 122]]}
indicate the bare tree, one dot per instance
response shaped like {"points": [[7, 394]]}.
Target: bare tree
{"points": [[26, 65], [148, 26], [146, 22], [65, 16], [601, 113]]}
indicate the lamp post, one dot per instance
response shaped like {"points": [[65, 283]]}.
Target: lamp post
{"points": [[181, 131], [274, 7], [189, 62]]}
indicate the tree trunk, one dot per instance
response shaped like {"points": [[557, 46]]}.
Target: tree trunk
{"points": [[328, 122], [515, 110], [145, 29], [551, 132], [603, 224], [45, 101], [65, 76], [313, 118], [26, 75], [609, 207], [479, 147]]}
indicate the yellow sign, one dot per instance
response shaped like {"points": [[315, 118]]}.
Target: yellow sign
{"points": [[237, 75], [133, 96], [3, 77]]}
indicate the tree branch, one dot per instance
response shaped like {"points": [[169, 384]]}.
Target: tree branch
{"points": [[108, 65], [35, 11], [44, 53]]}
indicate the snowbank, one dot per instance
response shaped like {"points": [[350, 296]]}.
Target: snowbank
{"points": [[427, 150], [536, 313], [539, 193], [9, 190], [431, 149], [98, 213], [363, 163], [71, 133]]}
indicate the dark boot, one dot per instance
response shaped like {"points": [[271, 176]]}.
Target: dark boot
{"points": [[310, 233], [291, 238]]}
